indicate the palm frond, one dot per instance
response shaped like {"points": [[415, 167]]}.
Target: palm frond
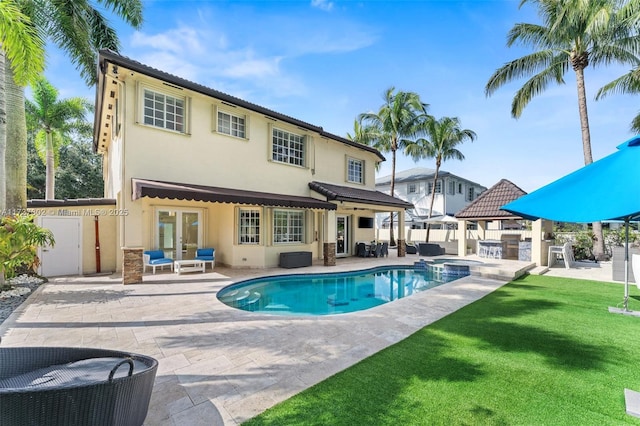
{"points": [[518, 68], [538, 83]]}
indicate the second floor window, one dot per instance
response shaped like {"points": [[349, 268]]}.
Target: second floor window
{"points": [[288, 226], [164, 111], [411, 188], [288, 148], [470, 194], [459, 188], [231, 124], [354, 171], [452, 187], [438, 187]]}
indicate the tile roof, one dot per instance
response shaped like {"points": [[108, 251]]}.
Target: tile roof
{"points": [[487, 205], [133, 65], [357, 195]]}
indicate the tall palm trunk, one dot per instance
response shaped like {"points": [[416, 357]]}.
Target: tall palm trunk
{"points": [[50, 193], [3, 138], [598, 243], [16, 150], [433, 198], [392, 240]]}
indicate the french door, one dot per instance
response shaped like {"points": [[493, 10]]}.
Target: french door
{"points": [[342, 237], [178, 232]]}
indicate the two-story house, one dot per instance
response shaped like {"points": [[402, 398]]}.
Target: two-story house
{"points": [[189, 167], [452, 193]]}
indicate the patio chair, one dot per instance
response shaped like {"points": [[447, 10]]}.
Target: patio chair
{"points": [[207, 255], [375, 251], [384, 251], [567, 254], [361, 250], [155, 259]]}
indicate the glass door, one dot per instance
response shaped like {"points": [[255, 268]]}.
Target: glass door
{"points": [[178, 232], [342, 236]]}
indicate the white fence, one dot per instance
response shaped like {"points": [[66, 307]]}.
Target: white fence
{"points": [[444, 235]]}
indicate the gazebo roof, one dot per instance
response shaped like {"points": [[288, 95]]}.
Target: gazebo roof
{"points": [[487, 205]]}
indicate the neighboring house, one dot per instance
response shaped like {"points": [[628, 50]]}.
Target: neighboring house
{"points": [[415, 186], [192, 167]]}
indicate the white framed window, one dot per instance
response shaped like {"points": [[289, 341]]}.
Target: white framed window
{"points": [[164, 111], [249, 226], [411, 188], [459, 188], [452, 187], [438, 187], [288, 147], [232, 124], [288, 226], [470, 194], [355, 170]]}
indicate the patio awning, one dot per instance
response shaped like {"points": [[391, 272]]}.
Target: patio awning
{"points": [[357, 195], [184, 191]]}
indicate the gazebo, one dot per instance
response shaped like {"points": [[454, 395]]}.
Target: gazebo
{"points": [[486, 208]]}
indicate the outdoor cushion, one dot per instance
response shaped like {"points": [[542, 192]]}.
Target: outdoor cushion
{"points": [[205, 254], [78, 373], [160, 261], [155, 254]]}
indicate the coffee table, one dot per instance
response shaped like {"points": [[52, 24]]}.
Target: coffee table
{"points": [[190, 265]]}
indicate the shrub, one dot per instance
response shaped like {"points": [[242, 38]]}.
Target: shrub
{"points": [[19, 239]]}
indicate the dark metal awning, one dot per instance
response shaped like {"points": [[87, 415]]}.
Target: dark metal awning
{"points": [[357, 195], [184, 191]]}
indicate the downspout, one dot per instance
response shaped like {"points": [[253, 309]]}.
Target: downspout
{"points": [[97, 227]]}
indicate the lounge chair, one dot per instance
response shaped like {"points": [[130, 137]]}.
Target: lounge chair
{"points": [[155, 259], [430, 249], [207, 255], [411, 249]]}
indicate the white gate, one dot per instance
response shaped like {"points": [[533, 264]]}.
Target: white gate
{"points": [[64, 258]]}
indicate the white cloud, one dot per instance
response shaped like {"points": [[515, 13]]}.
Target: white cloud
{"points": [[322, 4]]}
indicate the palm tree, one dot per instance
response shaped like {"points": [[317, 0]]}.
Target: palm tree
{"points": [[393, 126], [78, 28], [628, 83], [573, 35], [21, 44], [54, 121], [443, 136], [362, 135]]}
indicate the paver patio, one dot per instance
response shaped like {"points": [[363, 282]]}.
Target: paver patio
{"points": [[220, 365]]}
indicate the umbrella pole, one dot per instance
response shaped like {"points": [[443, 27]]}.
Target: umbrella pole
{"points": [[626, 265]]}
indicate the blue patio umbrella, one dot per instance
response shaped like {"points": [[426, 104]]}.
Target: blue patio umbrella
{"points": [[607, 189]]}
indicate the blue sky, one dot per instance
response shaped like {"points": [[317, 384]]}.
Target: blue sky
{"points": [[325, 62]]}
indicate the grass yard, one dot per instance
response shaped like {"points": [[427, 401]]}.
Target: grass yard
{"points": [[538, 351]]}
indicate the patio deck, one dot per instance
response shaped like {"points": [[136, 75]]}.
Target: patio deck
{"points": [[219, 365]]}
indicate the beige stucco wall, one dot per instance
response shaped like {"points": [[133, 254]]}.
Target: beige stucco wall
{"points": [[107, 228], [205, 157]]}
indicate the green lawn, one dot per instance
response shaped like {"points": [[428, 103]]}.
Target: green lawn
{"points": [[538, 351]]}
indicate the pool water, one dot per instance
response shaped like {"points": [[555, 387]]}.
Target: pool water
{"points": [[331, 293]]}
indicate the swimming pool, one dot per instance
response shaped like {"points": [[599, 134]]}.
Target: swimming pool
{"points": [[331, 293]]}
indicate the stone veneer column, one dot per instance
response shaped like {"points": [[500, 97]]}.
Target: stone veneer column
{"points": [[329, 254], [402, 248], [132, 265]]}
